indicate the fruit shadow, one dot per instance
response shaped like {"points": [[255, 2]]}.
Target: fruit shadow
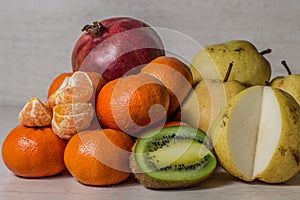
{"points": [[295, 181], [61, 175], [222, 178], [25, 185], [129, 182], [218, 179]]}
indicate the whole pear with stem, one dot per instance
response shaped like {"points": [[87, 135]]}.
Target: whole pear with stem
{"points": [[289, 84], [205, 101], [251, 66]]}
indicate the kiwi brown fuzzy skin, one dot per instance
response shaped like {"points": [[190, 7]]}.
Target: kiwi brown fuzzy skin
{"points": [[155, 184]]}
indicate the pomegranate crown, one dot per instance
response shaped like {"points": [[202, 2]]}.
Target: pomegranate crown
{"points": [[95, 29]]}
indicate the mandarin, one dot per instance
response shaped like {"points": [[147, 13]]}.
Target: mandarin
{"points": [[33, 152], [99, 157], [56, 83], [97, 80], [132, 103], [175, 75]]}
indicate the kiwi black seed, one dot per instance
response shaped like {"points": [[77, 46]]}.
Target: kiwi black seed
{"points": [[172, 157]]}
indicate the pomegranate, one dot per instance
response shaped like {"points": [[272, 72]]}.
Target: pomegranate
{"points": [[116, 46]]}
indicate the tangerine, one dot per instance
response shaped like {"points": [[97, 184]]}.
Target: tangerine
{"points": [[33, 152], [99, 157], [175, 75], [132, 103]]}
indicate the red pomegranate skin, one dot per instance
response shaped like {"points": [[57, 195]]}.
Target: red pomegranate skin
{"points": [[123, 47]]}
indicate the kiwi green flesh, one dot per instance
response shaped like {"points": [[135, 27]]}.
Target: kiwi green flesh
{"points": [[175, 154]]}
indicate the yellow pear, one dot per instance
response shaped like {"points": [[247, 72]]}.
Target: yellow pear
{"points": [[207, 98], [251, 67], [289, 84], [256, 136]]}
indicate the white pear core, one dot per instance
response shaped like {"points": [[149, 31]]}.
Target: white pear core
{"points": [[254, 130]]}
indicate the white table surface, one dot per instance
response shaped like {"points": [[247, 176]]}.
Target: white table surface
{"points": [[220, 186]]}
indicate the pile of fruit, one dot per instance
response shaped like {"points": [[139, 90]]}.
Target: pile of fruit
{"points": [[127, 108]]}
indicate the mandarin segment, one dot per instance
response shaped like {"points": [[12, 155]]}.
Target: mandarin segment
{"points": [[77, 88], [56, 83], [70, 118], [35, 113]]}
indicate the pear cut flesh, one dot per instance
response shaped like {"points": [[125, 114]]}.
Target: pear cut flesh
{"points": [[257, 135]]}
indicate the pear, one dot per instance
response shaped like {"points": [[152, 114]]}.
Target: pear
{"points": [[257, 135], [289, 84], [251, 67], [207, 98], [277, 79]]}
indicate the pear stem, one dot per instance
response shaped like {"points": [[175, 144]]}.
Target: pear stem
{"points": [[286, 67], [228, 72], [266, 51], [267, 83]]}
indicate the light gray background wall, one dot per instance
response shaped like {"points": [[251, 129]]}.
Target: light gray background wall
{"points": [[36, 36]]}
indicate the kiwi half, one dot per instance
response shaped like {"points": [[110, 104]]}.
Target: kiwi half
{"points": [[172, 157]]}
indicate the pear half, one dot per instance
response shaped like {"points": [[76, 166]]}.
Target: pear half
{"points": [[257, 135]]}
